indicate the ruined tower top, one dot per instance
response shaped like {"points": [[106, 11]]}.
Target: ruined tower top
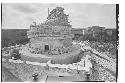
{"points": [[56, 25], [57, 17], [55, 13]]}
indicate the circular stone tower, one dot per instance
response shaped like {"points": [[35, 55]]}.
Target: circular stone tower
{"points": [[53, 35]]}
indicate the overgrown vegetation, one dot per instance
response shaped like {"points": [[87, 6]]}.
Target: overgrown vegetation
{"points": [[98, 34], [11, 37]]}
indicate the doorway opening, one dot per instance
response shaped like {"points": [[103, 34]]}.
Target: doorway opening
{"points": [[46, 48]]}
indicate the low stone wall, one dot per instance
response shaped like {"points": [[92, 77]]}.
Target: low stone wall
{"points": [[34, 59], [73, 58], [55, 59]]}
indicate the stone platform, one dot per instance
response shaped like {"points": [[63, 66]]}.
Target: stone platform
{"points": [[66, 58]]}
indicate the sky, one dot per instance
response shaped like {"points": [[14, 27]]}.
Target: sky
{"points": [[81, 15]]}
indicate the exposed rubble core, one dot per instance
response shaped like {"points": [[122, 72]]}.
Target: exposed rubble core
{"points": [[53, 36]]}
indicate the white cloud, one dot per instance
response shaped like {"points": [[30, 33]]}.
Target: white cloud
{"points": [[17, 15]]}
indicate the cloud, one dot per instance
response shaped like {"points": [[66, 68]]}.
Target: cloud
{"points": [[15, 15], [30, 19], [24, 8], [4, 14], [21, 15]]}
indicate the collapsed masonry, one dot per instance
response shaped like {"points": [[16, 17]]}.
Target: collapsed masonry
{"points": [[52, 36]]}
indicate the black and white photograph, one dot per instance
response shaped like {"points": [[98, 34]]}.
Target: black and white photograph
{"points": [[59, 42]]}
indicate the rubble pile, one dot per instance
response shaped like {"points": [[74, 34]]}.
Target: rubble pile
{"points": [[105, 47], [102, 68], [57, 17], [106, 64], [54, 32]]}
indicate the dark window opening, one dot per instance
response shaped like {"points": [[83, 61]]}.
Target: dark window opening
{"points": [[46, 48]]}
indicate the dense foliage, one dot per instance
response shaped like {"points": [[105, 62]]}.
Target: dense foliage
{"points": [[11, 37], [98, 34]]}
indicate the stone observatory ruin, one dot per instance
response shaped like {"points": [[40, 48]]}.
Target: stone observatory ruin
{"points": [[53, 37], [51, 52]]}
